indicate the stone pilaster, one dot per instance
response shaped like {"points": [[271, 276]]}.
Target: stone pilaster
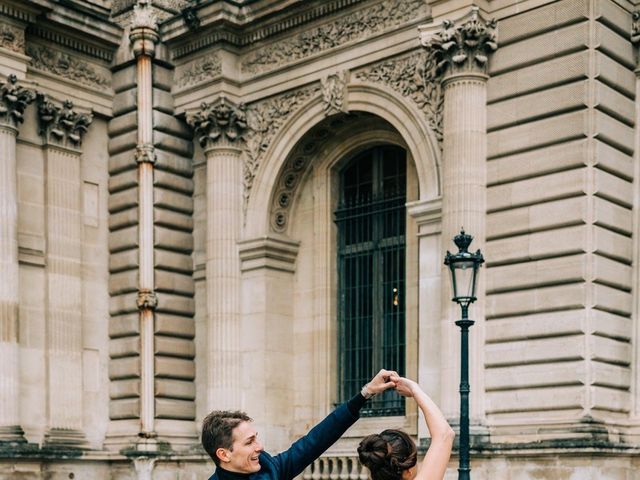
{"points": [[13, 101], [62, 129], [219, 127], [462, 49], [635, 340], [143, 37]]}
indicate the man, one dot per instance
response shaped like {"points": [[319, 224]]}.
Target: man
{"points": [[233, 444]]}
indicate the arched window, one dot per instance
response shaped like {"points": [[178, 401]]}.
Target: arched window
{"points": [[371, 273]]}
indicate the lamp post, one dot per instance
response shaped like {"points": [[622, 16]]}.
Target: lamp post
{"points": [[464, 268]]}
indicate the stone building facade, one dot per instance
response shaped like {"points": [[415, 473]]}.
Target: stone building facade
{"points": [[171, 175]]}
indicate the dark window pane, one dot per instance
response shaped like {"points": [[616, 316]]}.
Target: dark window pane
{"points": [[371, 262]]}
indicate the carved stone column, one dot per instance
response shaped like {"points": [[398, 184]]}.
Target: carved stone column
{"points": [[461, 49], [13, 101], [62, 129], [219, 127], [143, 37]]}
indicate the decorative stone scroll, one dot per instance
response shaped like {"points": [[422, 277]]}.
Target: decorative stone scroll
{"points": [[218, 120], [12, 37], [464, 45], [14, 101], [334, 93], [415, 76], [62, 125], [264, 119], [355, 26], [58, 63]]}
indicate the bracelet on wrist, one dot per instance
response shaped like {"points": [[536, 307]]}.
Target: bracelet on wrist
{"points": [[366, 393]]}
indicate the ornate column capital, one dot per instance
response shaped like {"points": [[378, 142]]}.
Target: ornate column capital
{"points": [[462, 46], [144, 29], [219, 123], [61, 125], [14, 100]]}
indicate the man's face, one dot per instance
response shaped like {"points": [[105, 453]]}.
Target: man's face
{"points": [[243, 457]]}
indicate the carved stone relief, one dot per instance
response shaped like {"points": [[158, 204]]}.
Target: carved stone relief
{"points": [[61, 125], [354, 26], [264, 119], [416, 77], [12, 37], [218, 120], [334, 93], [197, 71], [463, 46], [635, 27], [14, 100], [64, 65]]}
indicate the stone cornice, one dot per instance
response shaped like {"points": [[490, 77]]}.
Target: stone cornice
{"points": [[243, 29], [273, 252], [61, 125], [13, 101], [71, 42], [462, 46]]}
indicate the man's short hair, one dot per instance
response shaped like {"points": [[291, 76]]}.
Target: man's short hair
{"points": [[217, 431]]}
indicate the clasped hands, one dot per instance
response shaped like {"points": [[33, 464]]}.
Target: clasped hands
{"points": [[386, 379]]}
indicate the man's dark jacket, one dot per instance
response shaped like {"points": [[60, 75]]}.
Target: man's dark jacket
{"points": [[304, 451]]}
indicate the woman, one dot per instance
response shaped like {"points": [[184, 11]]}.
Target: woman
{"points": [[392, 455]]}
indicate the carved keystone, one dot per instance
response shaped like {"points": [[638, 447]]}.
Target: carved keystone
{"points": [[14, 101], [62, 125], [462, 46], [218, 120]]}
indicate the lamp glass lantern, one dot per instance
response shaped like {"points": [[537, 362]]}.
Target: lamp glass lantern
{"points": [[464, 267]]}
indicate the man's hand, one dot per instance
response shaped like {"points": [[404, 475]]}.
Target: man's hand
{"points": [[381, 382]]}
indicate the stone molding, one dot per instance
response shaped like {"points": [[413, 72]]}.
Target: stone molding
{"points": [[196, 71], [71, 43], [415, 76], [264, 120], [61, 125], [296, 166], [14, 100], [635, 27], [64, 65], [464, 45], [273, 252], [352, 27], [263, 32], [427, 214], [11, 11], [334, 93], [219, 122], [12, 37]]}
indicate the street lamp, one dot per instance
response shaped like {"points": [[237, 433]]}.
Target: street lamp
{"points": [[464, 268]]}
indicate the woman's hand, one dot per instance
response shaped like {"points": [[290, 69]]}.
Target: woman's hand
{"points": [[406, 387]]}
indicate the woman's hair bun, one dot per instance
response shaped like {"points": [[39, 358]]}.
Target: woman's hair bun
{"points": [[373, 451]]}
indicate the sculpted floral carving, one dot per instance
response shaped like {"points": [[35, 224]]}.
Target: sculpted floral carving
{"points": [[58, 63], [62, 125], [14, 101], [635, 27], [218, 120], [355, 26], [415, 77], [334, 93], [264, 119], [464, 45], [199, 70], [12, 38]]}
